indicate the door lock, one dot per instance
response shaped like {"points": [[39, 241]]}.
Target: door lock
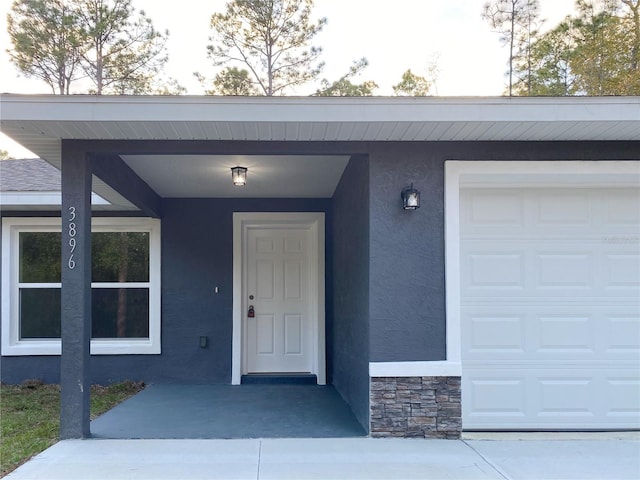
{"points": [[251, 313]]}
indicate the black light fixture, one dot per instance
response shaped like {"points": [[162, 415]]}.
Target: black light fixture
{"points": [[410, 198], [239, 176]]}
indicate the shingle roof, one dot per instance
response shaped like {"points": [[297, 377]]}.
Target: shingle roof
{"points": [[28, 175]]}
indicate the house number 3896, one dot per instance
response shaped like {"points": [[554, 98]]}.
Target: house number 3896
{"points": [[72, 237]]}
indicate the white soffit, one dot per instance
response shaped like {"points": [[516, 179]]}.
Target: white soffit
{"points": [[38, 201], [39, 122]]}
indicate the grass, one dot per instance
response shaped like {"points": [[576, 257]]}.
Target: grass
{"points": [[30, 417]]}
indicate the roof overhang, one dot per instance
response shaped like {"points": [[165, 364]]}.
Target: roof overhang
{"points": [[41, 122], [43, 201]]}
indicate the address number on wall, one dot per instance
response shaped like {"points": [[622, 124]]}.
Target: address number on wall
{"points": [[72, 237]]}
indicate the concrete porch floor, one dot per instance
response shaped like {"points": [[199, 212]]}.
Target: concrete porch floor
{"points": [[230, 411]]}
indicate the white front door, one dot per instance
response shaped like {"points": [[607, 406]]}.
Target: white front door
{"points": [[278, 329], [278, 264]]}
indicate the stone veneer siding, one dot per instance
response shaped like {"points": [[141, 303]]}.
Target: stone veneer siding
{"points": [[426, 407]]}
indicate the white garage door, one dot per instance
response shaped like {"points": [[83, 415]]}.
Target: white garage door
{"points": [[550, 310]]}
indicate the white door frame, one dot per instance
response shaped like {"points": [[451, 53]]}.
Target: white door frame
{"points": [[314, 221]]}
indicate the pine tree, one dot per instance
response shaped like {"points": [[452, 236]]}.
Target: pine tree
{"points": [[271, 39]]}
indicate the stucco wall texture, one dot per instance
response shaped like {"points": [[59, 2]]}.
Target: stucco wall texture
{"points": [[349, 339]]}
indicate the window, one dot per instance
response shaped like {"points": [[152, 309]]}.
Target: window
{"points": [[125, 286]]}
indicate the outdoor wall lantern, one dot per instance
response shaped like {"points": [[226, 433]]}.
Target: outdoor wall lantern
{"points": [[410, 198], [239, 176]]}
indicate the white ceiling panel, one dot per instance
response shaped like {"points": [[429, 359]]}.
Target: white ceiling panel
{"points": [[203, 176]]}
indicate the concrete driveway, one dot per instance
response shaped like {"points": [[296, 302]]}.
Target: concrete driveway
{"points": [[337, 458]]}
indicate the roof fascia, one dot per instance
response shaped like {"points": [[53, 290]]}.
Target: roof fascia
{"points": [[92, 108]]}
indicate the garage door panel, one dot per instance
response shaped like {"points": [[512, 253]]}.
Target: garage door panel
{"points": [[565, 335], [550, 310], [543, 209], [562, 208], [622, 207], [551, 332], [496, 271], [622, 336], [564, 270], [496, 334], [625, 397], [550, 397], [499, 269], [565, 396], [495, 396], [621, 272], [488, 208]]}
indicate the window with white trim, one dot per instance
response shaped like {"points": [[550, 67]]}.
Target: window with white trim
{"points": [[125, 285]]}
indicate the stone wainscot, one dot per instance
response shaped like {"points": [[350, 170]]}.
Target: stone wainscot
{"points": [[423, 407]]}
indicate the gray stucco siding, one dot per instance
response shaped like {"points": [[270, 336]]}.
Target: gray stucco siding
{"points": [[407, 307], [348, 339]]}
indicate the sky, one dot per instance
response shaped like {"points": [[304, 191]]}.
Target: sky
{"points": [[393, 35]]}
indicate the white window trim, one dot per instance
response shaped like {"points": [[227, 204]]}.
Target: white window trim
{"points": [[436, 368], [11, 343]]}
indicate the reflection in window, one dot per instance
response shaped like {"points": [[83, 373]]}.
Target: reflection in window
{"points": [[120, 277], [39, 313], [120, 312], [120, 257], [40, 257]]}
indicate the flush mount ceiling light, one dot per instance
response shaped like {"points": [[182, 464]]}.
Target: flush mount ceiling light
{"points": [[410, 198], [239, 176]]}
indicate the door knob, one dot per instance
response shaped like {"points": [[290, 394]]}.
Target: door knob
{"points": [[251, 313]]}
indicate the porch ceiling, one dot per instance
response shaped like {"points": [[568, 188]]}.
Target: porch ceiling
{"points": [[40, 122], [193, 176]]}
